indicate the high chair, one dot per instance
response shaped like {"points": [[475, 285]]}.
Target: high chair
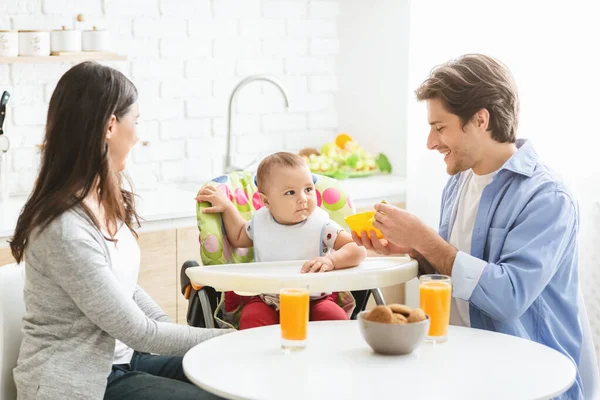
{"points": [[12, 309], [206, 305]]}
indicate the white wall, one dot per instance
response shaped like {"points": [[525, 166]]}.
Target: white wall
{"points": [[372, 70], [552, 50], [552, 53], [186, 56]]}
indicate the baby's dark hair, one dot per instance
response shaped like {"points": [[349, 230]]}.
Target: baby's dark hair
{"points": [[281, 159]]}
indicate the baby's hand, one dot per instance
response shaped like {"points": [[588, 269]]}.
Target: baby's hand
{"points": [[319, 264], [215, 197]]}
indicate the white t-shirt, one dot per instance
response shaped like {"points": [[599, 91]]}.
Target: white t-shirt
{"points": [[125, 259], [462, 233]]}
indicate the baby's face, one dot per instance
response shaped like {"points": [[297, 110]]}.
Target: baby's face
{"points": [[290, 194]]}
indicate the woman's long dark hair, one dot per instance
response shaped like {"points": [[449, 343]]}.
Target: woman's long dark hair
{"points": [[75, 157]]}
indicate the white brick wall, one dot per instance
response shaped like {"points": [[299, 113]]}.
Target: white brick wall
{"points": [[320, 47], [262, 28], [160, 27], [194, 48], [312, 28], [327, 120], [4, 22], [185, 57], [323, 83], [134, 8], [283, 122], [310, 65], [284, 9], [20, 6], [66, 7], [324, 9], [4, 75], [190, 8], [236, 8], [283, 46]]}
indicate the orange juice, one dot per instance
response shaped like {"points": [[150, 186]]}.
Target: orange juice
{"points": [[436, 293], [293, 316]]}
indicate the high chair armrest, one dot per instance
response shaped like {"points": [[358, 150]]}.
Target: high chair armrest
{"points": [[184, 279]]}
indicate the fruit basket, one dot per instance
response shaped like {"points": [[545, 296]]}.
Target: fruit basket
{"points": [[345, 158]]}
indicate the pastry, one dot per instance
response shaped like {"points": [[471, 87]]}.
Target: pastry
{"points": [[400, 309], [416, 315], [399, 319], [380, 314]]}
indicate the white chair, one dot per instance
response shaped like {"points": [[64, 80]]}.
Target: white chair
{"points": [[589, 278], [588, 363], [12, 308]]}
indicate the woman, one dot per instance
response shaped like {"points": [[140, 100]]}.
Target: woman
{"points": [[85, 312]]}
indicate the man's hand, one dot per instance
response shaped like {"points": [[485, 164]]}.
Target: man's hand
{"points": [[319, 264], [398, 226], [406, 231], [381, 246], [215, 197]]}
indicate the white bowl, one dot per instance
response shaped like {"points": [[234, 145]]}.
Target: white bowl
{"points": [[393, 339]]}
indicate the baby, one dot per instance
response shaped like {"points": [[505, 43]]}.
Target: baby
{"points": [[290, 226]]}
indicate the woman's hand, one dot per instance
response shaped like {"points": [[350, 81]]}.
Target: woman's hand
{"points": [[215, 197], [319, 264]]}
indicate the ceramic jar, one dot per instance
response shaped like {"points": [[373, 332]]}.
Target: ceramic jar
{"points": [[34, 43], [96, 40], [9, 43], [65, 40]]}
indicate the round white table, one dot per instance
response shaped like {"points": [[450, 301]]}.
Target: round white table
{"points": [[338, 364], [268, 277]]}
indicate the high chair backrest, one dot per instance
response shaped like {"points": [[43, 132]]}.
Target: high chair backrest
{"points": [[12, 308], [242, 191]]}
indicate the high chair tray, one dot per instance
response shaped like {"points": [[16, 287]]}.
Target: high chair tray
{"points": [[270, 277]]}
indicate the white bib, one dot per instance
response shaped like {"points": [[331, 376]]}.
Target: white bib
{"points": [[276, 242]]}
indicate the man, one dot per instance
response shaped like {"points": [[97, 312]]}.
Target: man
{"points": [[508, 226]]}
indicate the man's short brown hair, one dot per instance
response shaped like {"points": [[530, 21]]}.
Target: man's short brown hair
{"points": [[281, 159], [472, 82]]}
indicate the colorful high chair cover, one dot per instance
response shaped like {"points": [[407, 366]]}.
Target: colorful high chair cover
{"points": [[215, 249]]}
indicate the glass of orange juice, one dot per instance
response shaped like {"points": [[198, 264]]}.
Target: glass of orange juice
{"points": [[436, 293], [293, 317]]}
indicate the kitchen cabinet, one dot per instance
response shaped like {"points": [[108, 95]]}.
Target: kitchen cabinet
{"points": [[158, 268], [6, 256], [163, 254], [188, 248]]}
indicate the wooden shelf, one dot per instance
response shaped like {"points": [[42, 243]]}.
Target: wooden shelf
{"points": [[63, 58]]}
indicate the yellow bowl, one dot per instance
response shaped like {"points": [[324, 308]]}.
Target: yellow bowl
{"points": [[363, 222]]}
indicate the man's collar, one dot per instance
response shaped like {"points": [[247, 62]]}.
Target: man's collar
{"points": [[524, 160]]}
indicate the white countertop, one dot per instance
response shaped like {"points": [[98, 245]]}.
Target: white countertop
{"points": [[174, 206]]}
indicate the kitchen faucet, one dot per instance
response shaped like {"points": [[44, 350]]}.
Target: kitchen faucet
{"points": [[228, 166]]}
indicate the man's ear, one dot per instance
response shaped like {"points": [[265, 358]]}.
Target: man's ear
{"points": [[482, 119]]}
